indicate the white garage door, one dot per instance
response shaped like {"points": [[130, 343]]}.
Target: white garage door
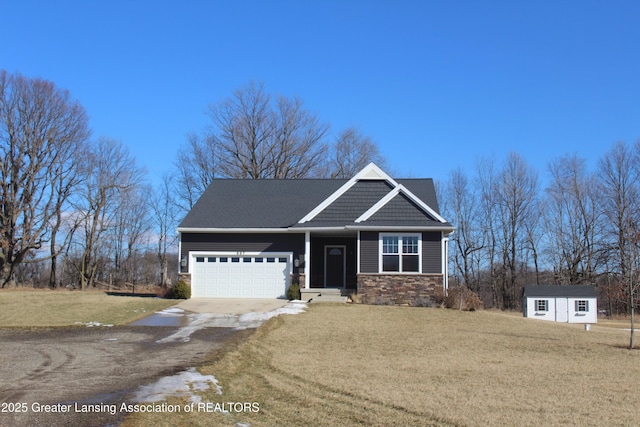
{"points": [[264, 275]]}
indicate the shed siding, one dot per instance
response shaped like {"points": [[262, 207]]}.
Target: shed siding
{"points": [[368, 251], [569, 313]]}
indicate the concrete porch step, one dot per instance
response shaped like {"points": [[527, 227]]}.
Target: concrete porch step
{"points": [[325, 294]]}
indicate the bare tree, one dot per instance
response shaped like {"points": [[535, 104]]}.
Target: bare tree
{"points": [[109, 173], [129, 236], [516, 196], [573, 216], [619, 190], [257, 139], [165, 217], [487, 180], [463, 209], [40, 128], [352, 152], [196, 167], [299, 147]]}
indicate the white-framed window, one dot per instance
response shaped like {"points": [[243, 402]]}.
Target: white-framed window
{"points": [[400, 252], [582, 306], [542, 305]]}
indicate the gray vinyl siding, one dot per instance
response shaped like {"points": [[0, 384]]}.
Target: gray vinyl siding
{"points": [[353, 203], [399, 211], [432, 252], [368, 251], [242, 242]]}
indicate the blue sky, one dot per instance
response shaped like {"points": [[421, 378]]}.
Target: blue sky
{"points": [[437, 84]]}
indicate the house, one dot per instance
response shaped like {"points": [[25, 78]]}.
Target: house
{"points": [[567, 304], [373, 234]]}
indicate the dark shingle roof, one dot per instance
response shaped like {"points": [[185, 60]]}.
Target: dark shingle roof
{"points": [[237, 203], [585, 291], [252, 203]]}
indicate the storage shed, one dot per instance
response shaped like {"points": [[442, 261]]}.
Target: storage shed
{"points": [[566, 304]]}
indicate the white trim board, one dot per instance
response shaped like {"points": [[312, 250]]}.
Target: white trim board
{"points": [[370, 172], [390, 196]]}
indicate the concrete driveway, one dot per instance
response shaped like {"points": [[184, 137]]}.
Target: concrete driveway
{"points": [[104, 367], [231, 305]]}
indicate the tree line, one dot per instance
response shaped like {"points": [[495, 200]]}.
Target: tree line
{"points": [[581, 228], [78, 211]]}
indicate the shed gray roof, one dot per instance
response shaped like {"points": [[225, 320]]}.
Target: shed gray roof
{"points": [[242, 203], [585, 291]]}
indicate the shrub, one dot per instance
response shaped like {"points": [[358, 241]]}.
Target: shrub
{"points": [[422, 301], [463, 298], [355, 298], [439, 297], [293, 292], [181, 290]]}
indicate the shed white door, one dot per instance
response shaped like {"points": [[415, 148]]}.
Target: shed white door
{"points": [[562, 310], [264, 275]]}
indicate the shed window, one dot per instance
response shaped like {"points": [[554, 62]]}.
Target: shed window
{"points": [[582, 306], [542, 305]]}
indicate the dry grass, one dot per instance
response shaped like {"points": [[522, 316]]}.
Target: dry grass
{"points": [[45, 308], [344, 365]]}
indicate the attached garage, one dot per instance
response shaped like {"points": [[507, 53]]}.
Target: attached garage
{"points": [[234, 275]]}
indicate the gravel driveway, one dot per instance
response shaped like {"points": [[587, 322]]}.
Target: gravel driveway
{"points": [[90, 366]]}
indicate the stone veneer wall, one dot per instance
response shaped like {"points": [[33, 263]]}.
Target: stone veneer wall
{"points": [[398, 289]]}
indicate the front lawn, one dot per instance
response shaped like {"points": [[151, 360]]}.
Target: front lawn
{"points": [[345, 365], [45, 308]]}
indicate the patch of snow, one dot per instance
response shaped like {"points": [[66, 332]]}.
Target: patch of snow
{"points": [[196, 322], [182, 384], [92, 324], [254, 320], [172, 311], [244, 321]]}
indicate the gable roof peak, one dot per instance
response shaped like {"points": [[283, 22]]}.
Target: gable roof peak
{"points": [[373, 172], [369, 172], [400, 189]]}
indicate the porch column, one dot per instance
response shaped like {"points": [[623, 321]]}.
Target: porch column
{"points": [[445, 264], [307, 259]]}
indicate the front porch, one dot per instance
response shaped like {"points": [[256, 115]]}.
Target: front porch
{"points": [[332, 259], [326, 294]]}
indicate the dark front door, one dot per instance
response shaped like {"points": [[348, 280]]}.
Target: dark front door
{"points": [[334, 266]]}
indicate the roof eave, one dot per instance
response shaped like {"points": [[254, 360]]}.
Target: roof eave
{"points": [[232, 230]]}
